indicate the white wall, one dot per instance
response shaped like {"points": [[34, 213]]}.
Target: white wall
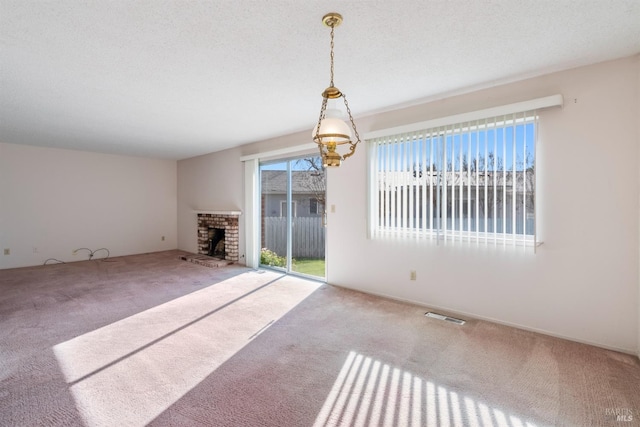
{"points": [[59, 200], [583, 282], [210, 182]]}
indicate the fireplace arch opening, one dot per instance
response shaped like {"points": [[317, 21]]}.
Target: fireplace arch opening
{"points": [[216, 242]]}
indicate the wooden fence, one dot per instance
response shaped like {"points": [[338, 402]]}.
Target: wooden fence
{"points": [[307, 239], [308, 235]]}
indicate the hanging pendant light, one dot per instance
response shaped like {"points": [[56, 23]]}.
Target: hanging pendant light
{"points": [[332, 131]]}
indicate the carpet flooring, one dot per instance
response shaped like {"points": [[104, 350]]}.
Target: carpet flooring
{"points": [[153, 340]]}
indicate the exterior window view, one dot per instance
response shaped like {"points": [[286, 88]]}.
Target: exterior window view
{"points": [[467, 180], [292, 200]]}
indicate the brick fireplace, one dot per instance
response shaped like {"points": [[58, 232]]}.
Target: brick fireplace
{"points": [[221, 220]]}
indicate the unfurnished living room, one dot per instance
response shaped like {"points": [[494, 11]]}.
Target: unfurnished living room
{"points": [[320, 213]]}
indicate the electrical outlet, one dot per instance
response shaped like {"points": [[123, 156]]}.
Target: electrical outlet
{"points": [[333, 208], [7, 251], [74, 252], [162, 238], [412, 275], [35, 250]]}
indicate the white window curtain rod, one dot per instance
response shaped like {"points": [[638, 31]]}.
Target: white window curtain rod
{"points": [[297, 149], [518, 107]]}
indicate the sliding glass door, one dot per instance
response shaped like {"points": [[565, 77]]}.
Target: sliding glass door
{"points": [[292, 200]]}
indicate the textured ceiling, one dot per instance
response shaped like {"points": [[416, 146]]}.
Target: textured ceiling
{"points": [[179, 78]]}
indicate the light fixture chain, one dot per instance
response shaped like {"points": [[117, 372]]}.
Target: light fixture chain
{"points": [[331, 56], [316, 137], [322, 110], [353, 125]]}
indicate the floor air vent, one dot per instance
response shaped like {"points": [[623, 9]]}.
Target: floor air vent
{"points": [[445, 318]]}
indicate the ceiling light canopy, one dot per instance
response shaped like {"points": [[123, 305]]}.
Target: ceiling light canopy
{"points": [[332, 130]]}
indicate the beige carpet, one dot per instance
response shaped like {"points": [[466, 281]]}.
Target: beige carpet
{"points": [[153, 340]]}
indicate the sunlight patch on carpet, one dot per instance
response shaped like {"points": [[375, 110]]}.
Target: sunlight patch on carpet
{"points": [[134, 369], [368, 392]]}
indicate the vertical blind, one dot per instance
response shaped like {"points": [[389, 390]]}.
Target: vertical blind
{"points": [[467, 181]]}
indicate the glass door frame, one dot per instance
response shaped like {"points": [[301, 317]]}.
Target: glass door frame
{"points": [[289, 217]]}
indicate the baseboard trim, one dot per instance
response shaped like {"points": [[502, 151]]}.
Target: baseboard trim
{"points": [[458, 313]]}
